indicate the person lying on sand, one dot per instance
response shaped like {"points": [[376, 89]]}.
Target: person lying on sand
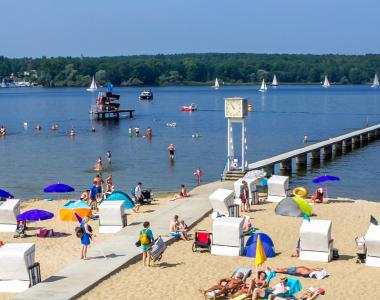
{"points": [[302, 271], [225, 285]]}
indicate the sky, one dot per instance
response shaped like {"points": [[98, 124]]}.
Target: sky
{"points": [[125, 27]]}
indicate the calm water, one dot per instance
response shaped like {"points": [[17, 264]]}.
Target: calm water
{"points": [[30, 160]]}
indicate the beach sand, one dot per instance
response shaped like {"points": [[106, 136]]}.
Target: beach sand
{"points": [[55, 253], [181, 272]]}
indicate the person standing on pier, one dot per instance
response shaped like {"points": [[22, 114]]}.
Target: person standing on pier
{"points": [[171, 149]]}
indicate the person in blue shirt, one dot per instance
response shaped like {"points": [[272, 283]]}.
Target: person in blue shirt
{"points": [[85, 240]]}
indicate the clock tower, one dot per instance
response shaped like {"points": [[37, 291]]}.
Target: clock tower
{"points": [[235, 110]]}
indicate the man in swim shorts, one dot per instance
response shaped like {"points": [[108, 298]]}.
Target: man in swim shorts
{"points": [[171, 149], [300, 271], [175, 231]]}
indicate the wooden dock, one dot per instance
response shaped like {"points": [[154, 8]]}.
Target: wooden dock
{"points": [[111, 114], [337, 145]]}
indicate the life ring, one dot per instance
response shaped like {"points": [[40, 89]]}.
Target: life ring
{"points": [[235, 165], [300, 191]]}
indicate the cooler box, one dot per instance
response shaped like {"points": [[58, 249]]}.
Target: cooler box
{"points": [[221, 199], [15, 260], [9, 210]]}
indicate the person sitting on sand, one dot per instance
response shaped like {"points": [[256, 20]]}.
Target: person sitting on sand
{"points": [[184, 226], [225, 285], [85, 196], [258, 282], [182, 194], [175, 230], [317, 197], [109, 185], [247, 225], [302, 271]]}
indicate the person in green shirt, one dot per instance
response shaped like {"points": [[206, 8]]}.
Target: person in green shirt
{"points": [[146, 240]]}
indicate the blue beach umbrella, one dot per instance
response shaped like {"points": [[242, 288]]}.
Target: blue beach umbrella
{"points": [[58, 188], [35, 215], [5, 194], [325, 178]]}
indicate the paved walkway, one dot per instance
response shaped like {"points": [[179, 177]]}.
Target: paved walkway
{"points": [[79, 277]]}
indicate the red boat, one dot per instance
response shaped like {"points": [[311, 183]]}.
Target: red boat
{"points": [[191, 107]]}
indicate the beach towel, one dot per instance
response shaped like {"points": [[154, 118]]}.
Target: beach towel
{"points": [[319, 274]]}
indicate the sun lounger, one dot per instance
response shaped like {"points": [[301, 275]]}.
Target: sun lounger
{"points": [[316, 243], [9, 210], [278, 188], [372, 242]]}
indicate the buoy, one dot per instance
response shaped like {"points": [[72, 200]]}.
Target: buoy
{"points": [[300, 191], [130, 133], [250, 107], [25, 124]]}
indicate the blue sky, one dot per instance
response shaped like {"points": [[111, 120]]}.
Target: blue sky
{"points": [[117, 27]]}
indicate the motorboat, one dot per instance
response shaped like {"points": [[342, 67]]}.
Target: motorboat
{"points": [[93, 87], [146, 95], [191, 107]]}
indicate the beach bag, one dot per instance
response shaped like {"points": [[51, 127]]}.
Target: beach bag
{"points": [[79, 232], [144, 239]]}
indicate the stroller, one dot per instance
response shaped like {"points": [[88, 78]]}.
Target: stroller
{"points": [[361, 250], [147, 196], [202, 240], [157, 249], [20, 229]]}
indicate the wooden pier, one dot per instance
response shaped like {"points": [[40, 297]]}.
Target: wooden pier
{"points": [[111, 114], [327, 149]]}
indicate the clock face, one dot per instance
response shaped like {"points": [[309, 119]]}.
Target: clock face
{"points": [[234, 109]]}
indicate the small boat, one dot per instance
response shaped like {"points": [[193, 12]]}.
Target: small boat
{"points": [[191, 107], [375, 82], [263, 87], [326, 83], [3, 84], [146, 95], [93, 86], [274, 82], [216, 84]]}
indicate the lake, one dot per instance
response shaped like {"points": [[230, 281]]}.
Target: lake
{"points": [[31, 160]]}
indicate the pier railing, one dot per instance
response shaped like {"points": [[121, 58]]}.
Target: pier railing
{"points": [[336, 145]]}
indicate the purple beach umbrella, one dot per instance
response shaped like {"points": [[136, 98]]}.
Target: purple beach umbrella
{"points": [[5, 194], [58, 188], [35, 215]]}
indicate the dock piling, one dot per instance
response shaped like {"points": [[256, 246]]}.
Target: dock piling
{"points": [[364, 139], [347, 145], [337, 148], [301, 161], [327, 152]]}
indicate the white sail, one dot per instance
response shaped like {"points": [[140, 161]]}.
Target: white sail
{"points": [[263, 87], [375, 82], [93, 86], [326, 83], [216, 84], [274, 82]]}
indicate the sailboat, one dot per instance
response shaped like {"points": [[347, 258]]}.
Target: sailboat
{"points": [[93, 86], [216, 84], [326, 83], [3, 84], [274, 82], [375, 82], [263, 87]]}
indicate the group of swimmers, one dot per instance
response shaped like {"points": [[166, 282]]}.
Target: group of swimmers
{"points": [[99, 162], [136, 130]]}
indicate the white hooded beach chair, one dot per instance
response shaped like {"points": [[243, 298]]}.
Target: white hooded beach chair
{"points": [[316, 243], [238, 185], [9, 210], [112, 217], [227, 236], [372, 242], [278, 188], [221, 200]]}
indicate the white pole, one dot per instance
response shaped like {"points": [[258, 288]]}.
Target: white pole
{"points": [[242, 146]]}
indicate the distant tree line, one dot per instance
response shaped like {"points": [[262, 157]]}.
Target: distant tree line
{"points": [[193, 69]]}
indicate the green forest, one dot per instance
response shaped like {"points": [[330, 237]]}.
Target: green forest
{"points": [[191, 69]]}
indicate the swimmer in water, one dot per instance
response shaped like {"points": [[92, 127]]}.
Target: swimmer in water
{"points": [[149, 132], [99, 164], [171, 149], [54, 127], [109, 156], [137, 131], [3, 131], [38, 127], [93, 129], [72, 132]]}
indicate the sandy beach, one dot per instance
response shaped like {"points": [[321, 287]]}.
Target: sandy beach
{"points": [[55, 253], [181, 272]]}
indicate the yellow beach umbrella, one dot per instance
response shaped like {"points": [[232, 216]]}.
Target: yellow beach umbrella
{"points": [[260, 253]]}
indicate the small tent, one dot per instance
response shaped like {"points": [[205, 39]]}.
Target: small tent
{"points": [[293, 207], [266, 241], [119, 195]]}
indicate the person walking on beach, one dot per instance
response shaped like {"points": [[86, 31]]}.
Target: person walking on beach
{"points": [[146, 239], [171, 149], [109, 156], [244, 197], [198, 175], [85, 240], [138, 197]]}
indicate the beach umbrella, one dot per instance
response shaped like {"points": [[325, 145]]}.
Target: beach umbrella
{"points": [[58, 188], [325, 178], [5, 194], [35, 215], [260, 253]]}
